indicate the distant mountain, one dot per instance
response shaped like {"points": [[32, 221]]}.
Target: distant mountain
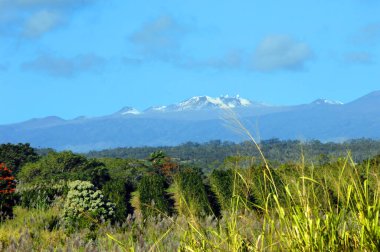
{"points": [[49, 121], [200, 119], [204, 103], [369, 103]]}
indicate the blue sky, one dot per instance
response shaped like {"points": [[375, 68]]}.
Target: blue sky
{"points": [[92, 57]]}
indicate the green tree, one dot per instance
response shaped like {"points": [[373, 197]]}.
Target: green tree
{"points": [[64, 166], [190, 194], [119, 192], [17, 155], [152, 196], [222, 185]]}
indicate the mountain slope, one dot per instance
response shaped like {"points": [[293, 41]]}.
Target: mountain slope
{"points": [[202, 119]]}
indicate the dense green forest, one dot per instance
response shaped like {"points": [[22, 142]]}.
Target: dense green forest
{"points": [[212, 154], [195, 197]]}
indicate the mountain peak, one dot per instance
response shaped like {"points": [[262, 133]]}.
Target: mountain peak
{"points": [[199, 102], [207, 102], [204, 102], [128, 111], [326, 102]]}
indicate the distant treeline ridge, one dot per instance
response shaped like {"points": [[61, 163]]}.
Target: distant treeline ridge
{"points": [[275, 150]]}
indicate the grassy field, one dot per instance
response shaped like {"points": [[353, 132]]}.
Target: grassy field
{"points": [[295, 208]]}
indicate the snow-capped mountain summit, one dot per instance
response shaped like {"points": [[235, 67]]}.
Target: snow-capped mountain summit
{"points": [[128, 111], [236, 101], [204, 102], [325, 101]]}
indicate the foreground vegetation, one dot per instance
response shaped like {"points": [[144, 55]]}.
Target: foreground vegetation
{"points": [[67, 202]]}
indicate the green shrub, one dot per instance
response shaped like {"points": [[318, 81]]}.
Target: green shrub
{"points": [[119, 192], [41, 196], [85, 206], [262, 181], [152, 196], [237, 188], [222, 185], [189, 193], [250, 182]]}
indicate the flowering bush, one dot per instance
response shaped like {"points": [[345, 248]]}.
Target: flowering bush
{"points": [[7, 190], [85, 206], [41, 195]]}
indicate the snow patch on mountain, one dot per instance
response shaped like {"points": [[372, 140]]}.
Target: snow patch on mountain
{"points": [[328, 102], [207, 102], [156, 109], [236, 101], [199, 103], [128, 111]]}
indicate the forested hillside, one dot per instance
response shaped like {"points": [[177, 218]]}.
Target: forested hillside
{"points": [[212, 154]]}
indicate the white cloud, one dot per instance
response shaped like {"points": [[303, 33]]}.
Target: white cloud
{"points": [[34, 18], [162, 39], [65, 67], [281, 52]]}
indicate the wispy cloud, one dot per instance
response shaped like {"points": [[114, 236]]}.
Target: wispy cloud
{"points": [[47, 3], [41, 22], [281, 52], [131, 61], [367, 35], [34, 18], [160, 38], [65, 67], [359, 58], [271, 54]]}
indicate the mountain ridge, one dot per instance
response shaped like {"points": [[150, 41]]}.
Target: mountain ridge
{"points": [[200, 119]]}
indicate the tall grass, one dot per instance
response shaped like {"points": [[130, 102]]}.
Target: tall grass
{"points": [[315, 209], [310, 209]]}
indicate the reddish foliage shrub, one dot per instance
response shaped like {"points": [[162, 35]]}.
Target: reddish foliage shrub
{"points": [[7, 190]]}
